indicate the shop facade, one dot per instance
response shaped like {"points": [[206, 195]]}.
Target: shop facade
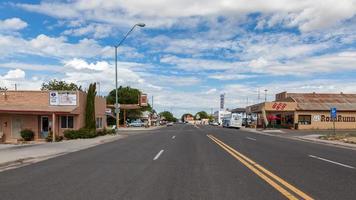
{"points": [[45, 112], [306, 111]]}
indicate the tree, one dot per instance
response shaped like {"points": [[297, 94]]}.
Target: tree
{"points": [[186, 115], [168, 116], [201, 115], [127, 95], [3, 88], [59, 85], [90, 122]]}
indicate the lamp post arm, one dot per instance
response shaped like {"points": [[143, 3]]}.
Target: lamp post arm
{"points": [[127, 34]]}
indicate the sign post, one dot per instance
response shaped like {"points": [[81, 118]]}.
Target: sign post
{"points": [[333, 116]]}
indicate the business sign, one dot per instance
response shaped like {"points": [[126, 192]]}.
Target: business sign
{"points": [[316, 118], [63, 98], [339, 118], [279, 106], [333, 113], [108, 111], [222, 101], [143, 100]]}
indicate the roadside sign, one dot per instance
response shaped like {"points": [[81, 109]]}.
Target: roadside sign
{"points": [[333, 116], [333, 113]]}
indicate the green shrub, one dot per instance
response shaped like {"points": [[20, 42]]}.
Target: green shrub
{"points": [[81, 133], [27, 134]]}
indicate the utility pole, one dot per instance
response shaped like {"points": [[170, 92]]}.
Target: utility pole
{"points": [[98, 83], [15, 87], [258, 95], [266, 95]]}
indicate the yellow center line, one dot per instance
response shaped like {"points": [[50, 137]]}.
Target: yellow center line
{"points": [[258, 169]]}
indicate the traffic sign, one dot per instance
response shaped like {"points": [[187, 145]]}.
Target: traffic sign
{"points": [[333, 113]]}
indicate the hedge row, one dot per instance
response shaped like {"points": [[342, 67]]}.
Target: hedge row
{"points": [[86, 133]]}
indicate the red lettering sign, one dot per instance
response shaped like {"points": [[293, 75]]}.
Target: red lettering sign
{"points": [[279, 106]]}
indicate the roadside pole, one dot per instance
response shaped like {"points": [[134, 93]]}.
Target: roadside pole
{"points": [[333, 115]]}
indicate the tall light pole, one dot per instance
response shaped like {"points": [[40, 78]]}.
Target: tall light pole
{"points": [[117, 110], [266, 95]]}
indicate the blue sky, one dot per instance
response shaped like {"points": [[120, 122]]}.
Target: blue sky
{"points": [[188, 53]]}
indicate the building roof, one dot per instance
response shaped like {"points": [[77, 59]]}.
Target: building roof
{"points": [[238, 110], [317, 101]]}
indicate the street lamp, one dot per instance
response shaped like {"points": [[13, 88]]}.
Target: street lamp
{"points": [[117, 111]]}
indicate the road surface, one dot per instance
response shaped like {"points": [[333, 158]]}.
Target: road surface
{"points": [[190, 162]]}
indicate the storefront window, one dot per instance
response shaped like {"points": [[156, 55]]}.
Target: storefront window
{"points": [[304, 119], [67, 121]]}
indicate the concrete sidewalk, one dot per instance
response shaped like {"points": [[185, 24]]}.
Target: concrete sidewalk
{"points": [[12, 156]]}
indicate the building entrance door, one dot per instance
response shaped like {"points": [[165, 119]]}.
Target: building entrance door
{"points": [[44, 126], [1, 132], [16, 127]]}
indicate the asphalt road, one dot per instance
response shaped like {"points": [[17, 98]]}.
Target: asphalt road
{"points": [[188, 162]]}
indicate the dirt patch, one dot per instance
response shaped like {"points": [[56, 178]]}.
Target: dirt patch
{"points": [[344, 137]]}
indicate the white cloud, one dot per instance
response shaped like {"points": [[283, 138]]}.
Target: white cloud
{"points": [[12, 24], [80, 64], [14, 74], [305, 14], [94, 29], [231, 75]]}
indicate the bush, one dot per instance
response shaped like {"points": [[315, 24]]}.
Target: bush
{"points": [[81, 133], [27, 134]]}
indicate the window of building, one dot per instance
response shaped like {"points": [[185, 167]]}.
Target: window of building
{"points": [[67, 121], [304, 119], [99, 122]]}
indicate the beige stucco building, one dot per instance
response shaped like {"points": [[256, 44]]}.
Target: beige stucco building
{"points": [[307, 111], [44, 112]]}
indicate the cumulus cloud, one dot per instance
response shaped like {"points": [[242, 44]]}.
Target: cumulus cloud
{"points": [[80, 64], [14, 74], [12, 24]]}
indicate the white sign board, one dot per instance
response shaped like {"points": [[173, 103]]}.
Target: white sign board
{"points": [[62, 98], [316, 118]]}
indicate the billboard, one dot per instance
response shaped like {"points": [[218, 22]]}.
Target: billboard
{"points": [[143, 100], [63, 98]]}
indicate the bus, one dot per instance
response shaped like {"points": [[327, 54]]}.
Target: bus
{"points": [[233, 121]]}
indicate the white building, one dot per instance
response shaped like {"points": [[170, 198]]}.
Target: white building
{"points": [[220, 115]]}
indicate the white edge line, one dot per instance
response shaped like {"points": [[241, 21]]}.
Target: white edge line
{"points": [[158, 154], [250, 138], [330, 161]]}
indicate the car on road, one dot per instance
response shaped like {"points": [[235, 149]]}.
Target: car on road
{"points": [[136, 123], [214, 124], [170, 124]]}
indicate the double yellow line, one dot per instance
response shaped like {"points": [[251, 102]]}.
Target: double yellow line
{"points": [[276, 182]]}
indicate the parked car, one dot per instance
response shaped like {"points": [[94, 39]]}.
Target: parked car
{"points": [[137, 124], [214, 124], [170, 124]]}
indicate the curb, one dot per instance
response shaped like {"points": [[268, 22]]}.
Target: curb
{"points": [[334, 144]]}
